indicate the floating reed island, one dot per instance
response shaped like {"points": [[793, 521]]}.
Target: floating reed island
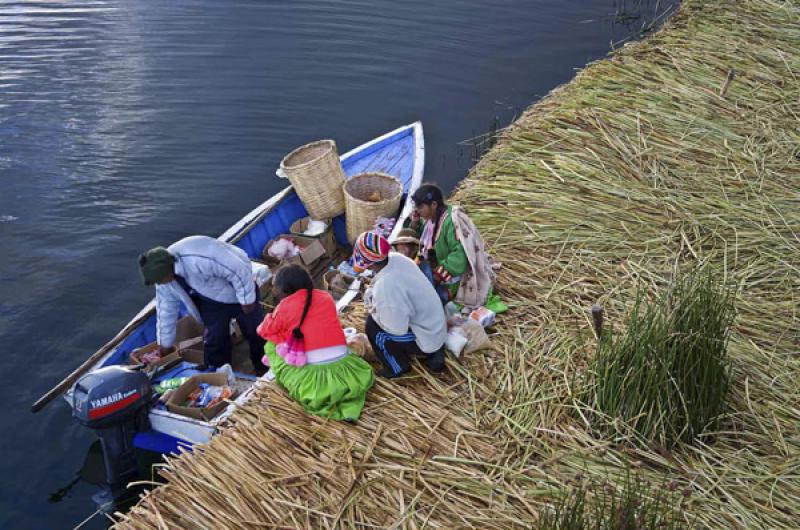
{"points": [[677, 152]]}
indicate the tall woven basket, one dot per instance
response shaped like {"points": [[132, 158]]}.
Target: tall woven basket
{"points": [[367, 197], [317, 176]]}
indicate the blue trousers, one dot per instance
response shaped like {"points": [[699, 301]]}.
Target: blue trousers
{"points": [[395, 351], [441, 289], [217, 336]]}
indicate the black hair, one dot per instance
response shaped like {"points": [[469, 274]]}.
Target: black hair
{"points": [[291, 279], [427, 193]]}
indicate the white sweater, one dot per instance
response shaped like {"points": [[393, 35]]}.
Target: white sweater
{"points": [[403, 299], [215, 269]]}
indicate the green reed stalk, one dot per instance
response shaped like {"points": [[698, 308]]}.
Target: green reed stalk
{"points": [[666, 378], [633, 504]]}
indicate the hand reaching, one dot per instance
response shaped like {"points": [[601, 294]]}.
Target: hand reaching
{"points": [[441, 275], [368, 304]]}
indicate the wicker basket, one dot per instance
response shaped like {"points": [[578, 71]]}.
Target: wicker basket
{"points": [[367, 197], [317, 176]]}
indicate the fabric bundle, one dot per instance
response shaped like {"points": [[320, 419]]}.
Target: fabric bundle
{"points": [[384, 226]]}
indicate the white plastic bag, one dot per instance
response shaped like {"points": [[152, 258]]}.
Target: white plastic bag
{"points": [[261, 273], [358, 343], [477, 339], [227, 370], [283, 248], [456, 340], [315, 227]]}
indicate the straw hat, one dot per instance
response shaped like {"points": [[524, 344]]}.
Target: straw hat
{"points": [[407, 236]]}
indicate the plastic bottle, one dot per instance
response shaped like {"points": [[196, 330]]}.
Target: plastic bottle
{"points": [[170, 384]]}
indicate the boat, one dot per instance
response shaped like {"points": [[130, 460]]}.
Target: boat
{"points": [[400, 153]]}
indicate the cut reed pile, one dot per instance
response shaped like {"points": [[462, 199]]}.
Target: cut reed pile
{"points": [[646, 160], [651, 159], [407, 459]]}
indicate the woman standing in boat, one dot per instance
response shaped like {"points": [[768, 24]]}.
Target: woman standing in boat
{"points": [[452, 248], [307, 350]]}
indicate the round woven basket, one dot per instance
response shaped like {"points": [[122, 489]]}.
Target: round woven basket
{"points": [[369, 196], [317, 176]]}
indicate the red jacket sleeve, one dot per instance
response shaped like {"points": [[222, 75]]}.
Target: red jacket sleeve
{"points": [[274, 328]]}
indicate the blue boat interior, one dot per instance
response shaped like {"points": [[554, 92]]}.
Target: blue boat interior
{"points": [[393, 155]]}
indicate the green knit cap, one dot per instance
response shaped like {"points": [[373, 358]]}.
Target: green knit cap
{"points": [[155, 264]]}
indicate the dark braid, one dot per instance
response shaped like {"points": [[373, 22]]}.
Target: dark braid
{"points": [[296, 332], [439, 216], [291, 279]]}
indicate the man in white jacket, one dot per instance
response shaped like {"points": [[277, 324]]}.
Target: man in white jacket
{"points": [[406, 317], [214, 282]]}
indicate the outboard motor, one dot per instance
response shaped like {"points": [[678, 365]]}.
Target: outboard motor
{"points": [[114, 401]]}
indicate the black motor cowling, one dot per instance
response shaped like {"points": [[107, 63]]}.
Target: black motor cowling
{"points": [[109, 396], [114, 401]]}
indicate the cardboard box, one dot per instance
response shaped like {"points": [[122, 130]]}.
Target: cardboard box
{"points": [[327, 237], [188, 328], [187, 350], [311, 250], [193, 343], [182, 393], [192, 354]]}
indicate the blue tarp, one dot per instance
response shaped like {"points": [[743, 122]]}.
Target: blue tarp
{"points": [[158, 442]]}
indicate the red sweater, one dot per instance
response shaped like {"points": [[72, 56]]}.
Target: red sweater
{"points": [[321, 328]]}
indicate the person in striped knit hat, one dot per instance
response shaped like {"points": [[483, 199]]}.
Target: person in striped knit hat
{"points": [[406, 318]]}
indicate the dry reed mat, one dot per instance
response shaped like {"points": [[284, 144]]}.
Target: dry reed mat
{"points": [[681, 149], [407, 460]]}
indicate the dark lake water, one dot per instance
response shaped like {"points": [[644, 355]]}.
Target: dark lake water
{"points": [[126, 124]]}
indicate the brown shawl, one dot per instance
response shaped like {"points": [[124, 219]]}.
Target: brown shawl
{"points": [[477, 281]]}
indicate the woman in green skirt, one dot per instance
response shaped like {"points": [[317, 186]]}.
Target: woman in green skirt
{"points": [[307, 351]]}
